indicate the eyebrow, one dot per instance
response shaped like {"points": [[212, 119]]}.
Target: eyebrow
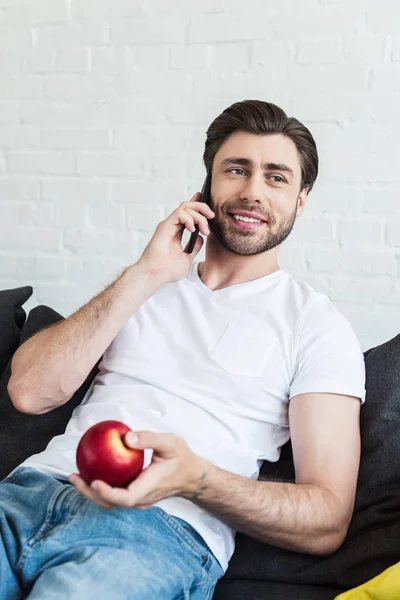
{"points": [[246, 162]]}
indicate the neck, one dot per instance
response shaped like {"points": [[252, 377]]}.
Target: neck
{"points": [[222, 269]]}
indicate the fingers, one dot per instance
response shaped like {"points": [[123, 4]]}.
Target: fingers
{"points": [[86, 490], [195, 213], [191, 218]]}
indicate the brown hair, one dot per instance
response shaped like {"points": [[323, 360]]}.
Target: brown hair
{"points": [[263, 118]]}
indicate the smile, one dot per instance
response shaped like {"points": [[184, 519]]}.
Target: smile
{"points": [[246, 223]]}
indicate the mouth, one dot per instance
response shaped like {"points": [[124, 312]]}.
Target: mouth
{"points": [[246, 223]]}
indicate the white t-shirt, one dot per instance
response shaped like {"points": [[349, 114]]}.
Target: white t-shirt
{"points": [[217, 368]]}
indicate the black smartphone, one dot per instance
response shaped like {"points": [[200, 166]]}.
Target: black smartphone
{"points": [[205, 197]]}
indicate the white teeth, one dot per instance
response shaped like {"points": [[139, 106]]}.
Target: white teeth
{"points": [[246, 219]]}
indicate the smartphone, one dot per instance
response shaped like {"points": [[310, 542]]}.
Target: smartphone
{"points": [[205, 197]]}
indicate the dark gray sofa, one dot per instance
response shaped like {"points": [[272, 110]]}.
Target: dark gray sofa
{"points": [[257, 571]]}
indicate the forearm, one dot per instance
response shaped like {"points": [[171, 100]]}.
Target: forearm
{"points": [[49, 367], [303, 518]]}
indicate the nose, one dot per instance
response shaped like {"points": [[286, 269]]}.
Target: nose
{"points": [[253, 189]]}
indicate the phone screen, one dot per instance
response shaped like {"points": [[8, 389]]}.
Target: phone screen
{"points": [[205, 197]]}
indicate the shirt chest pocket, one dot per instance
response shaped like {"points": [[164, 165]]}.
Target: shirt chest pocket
{"points": [[245, 350]]}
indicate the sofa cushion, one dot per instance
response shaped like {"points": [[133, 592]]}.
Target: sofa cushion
{"points": [[22, 435], [373, 540], [12, 317], [263, 590]]}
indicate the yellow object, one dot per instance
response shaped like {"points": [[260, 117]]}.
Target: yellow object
{"points": [[385, 586]]}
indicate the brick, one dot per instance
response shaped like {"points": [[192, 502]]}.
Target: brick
{"points": [[228, 28], [22, 267], [106, 217], [377, 262], [76, 139], [152, 139], [321, 21], [384, 79], [358, 232], [323, 260], [357, 289], [105, 9], [108, 60], [76, 191], [165, 166], [170, 30], [393, 232], [70, 216], [13, 190], [47, 163], [19, 136], [395, 48], [79, 87], [229, 57], [91, 243], [383, 21], [27, 87], [36, 215], [72, 61], [319, 51], [94, 270], [149, 192], [39, 61], [149, 58], [8, 112], [325, 78], [194, 111], [363, 50], [9, 213], [71, 35], [48, 240], [195, 57], [16, 38], [112, 164], [381, 201], [54, 112], [360, 167], [39, 12], [292, 255], [10, 63], [143, 217], [313, 229]]}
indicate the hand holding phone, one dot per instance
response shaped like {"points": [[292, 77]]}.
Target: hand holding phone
{"points": [[205, 197]]}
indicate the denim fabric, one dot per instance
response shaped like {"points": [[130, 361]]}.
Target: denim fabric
{"points": [[57, 544]]}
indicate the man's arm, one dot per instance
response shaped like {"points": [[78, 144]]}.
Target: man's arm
{"points": [[313, 514], [310, 516], [49, 367]]}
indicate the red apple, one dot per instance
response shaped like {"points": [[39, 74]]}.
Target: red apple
{"points": [[102, 454]]}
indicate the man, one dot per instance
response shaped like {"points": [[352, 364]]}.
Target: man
{"points": [[213, 365]]}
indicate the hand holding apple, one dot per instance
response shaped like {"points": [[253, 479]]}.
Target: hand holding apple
{"points": [[175, 470], [102, 454]]}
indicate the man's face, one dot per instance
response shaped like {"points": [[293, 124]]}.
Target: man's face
{"points": [[261, 176]]}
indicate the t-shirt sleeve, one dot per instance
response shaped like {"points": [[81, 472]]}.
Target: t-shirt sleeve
{"points": [[327, 353]]}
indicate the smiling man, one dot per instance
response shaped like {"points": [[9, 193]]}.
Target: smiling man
{"points": [[214, 365]]}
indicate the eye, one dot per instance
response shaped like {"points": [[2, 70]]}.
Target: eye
{"points": [[236, 169], [277, 179]]}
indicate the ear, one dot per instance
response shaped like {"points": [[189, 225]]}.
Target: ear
{"points": [[301, 201]]}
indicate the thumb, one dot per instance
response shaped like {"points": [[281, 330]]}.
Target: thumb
{"points": [[163, 443]]}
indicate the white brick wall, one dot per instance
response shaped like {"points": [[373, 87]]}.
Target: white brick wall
{"points": [[103, 110]]}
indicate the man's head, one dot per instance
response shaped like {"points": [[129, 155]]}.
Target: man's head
{"points": [[263, 163]]}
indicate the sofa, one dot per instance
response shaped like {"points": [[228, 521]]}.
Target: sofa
{"points": [[256, 571]]}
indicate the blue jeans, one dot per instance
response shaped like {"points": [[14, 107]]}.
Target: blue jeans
{"points": [[57, 544]]}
